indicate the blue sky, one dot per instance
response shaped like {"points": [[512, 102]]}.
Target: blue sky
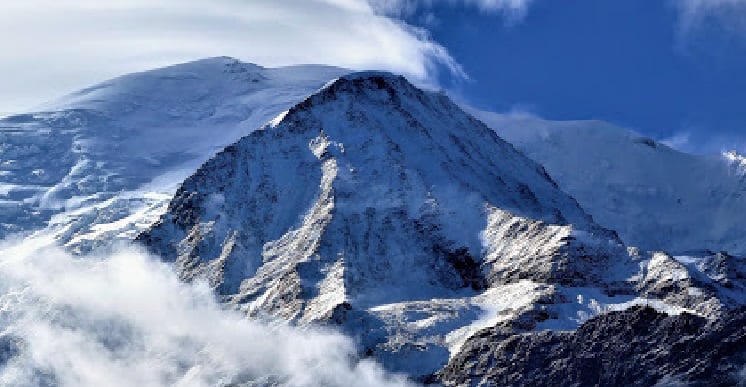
{"points": [[633, 62], [670, 69]]}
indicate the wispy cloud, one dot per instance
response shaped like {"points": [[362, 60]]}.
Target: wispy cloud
{"points": [[126, 320], [680, 141], [726, 14], [705, 142], [51, 47], [511, 8], [501, 5]]}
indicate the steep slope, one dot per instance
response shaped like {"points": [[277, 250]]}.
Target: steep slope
{"points": [[372, 151], [655, 197], [106, 159], [636, 347], [391, 212]]}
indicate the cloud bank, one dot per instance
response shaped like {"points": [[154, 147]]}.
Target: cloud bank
{"points": [[56, 46], [126, 320]]}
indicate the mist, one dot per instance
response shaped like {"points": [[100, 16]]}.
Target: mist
{"points": [[124, 319]]}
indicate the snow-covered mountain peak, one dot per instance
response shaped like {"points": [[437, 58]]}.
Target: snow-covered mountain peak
{"points": [[388, 210], [212, 73], [106, 158], [357, 105], [188, 91], [378, 87]]}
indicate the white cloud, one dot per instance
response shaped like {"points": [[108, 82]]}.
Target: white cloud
{"points": [[126, 320], [703, 141], [51, 47], [680, 141], [509, 5], [727, 14], [512, 8]]}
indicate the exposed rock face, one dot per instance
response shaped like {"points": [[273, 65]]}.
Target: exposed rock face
{"points": [[373, 198], [635, 347], [705, 284]]}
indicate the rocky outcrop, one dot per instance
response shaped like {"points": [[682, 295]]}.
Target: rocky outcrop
{"points": [[635, 347]]}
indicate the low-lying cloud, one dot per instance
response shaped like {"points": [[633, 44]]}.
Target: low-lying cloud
{"points": [[126, 320]]}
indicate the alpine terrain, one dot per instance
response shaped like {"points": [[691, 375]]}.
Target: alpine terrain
{"points": [[101, 164], [390, 212], [655, 197], [313, 200]]}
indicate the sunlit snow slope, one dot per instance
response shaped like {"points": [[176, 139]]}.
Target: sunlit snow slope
{"points": [[655, 197], [102, 162]]}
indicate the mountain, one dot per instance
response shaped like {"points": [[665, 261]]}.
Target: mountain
{"points": [[655, 197], [635, 347], [101, 164], [390, 212], [310, 196]]}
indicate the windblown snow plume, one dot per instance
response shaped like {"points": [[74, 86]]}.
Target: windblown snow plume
{"points": [[124, 319]]}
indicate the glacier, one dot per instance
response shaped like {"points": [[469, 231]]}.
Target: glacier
{"points": [[100, 164], [655, 197]]}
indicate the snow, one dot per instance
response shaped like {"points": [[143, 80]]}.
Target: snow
{"points": [[736, 161], [497, 304], [586, 303], [720, 271], [655, 197], [102, 163]]}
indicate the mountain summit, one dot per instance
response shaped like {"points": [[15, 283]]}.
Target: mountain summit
{"points": [[370, 168], [391, 212]]}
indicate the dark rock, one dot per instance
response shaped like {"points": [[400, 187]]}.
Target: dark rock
{"points": [[636, 347]]}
